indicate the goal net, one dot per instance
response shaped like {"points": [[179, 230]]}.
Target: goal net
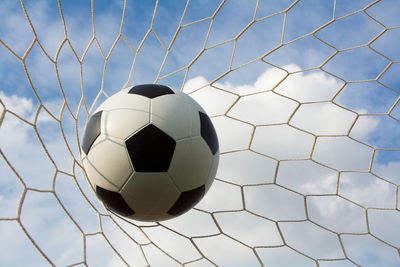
{"points": [[304, 97]]}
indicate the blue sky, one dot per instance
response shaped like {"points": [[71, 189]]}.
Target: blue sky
{"points": [[301, 109]]}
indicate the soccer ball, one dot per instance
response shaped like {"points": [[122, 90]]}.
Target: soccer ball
{"points": [[150, 153]]}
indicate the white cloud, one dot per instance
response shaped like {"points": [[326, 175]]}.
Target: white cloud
{"points": [[263, 108], [175, 245], [359, 187], [342, 153], [20, 105], [157, 257], [215, 201], [17, 241], [282, 142], [11, 190], [364, 126], [250, 229], [311, 239], [127, 248], [366, 250], [187, 224], [232, 134], [266, 81], [13, 133], [323, 119], [24, 107], [51, 228], [337, 214], [389, 171], [283, 256], [194, 84], [309, 86], [324, 184], [23, 148], [384, 224], [271, 77], [223, 100], [382, 133], [225, 251], [99, 252], [246, 167], [274, 202], [307, 177]]}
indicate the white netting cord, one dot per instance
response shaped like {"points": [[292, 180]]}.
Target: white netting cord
{"points": [[142, 235]]}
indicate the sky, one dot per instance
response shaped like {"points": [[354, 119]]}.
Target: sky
{"points": [[304, 97]]}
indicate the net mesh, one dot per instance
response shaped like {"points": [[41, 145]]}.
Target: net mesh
{"points": [[309, 171]]}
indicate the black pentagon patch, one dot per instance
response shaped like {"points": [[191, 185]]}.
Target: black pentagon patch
{"points": [[114, 201], [208, 132], [151, 90], [151, 150], [187, 200], [92, 131]]}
